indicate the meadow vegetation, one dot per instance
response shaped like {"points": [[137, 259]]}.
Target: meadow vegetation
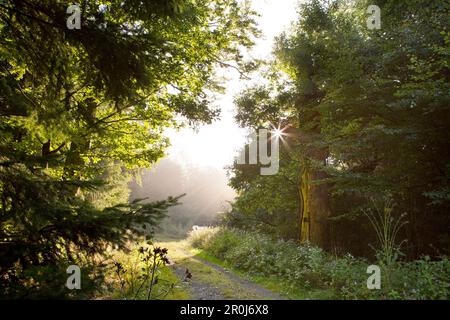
{"points": [[305, 267]]}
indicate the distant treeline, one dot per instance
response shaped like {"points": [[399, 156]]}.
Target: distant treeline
{"points": [[205, 189]]}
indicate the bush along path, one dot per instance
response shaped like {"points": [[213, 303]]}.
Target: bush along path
{"points": [[303, 271], [207, 280]]}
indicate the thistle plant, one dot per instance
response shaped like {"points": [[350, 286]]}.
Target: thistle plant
{"points": [[387, 228], [150, 259]]}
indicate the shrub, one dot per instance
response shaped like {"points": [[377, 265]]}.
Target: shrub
{"points": [[49, 282], [199, 237], [421, 279], [307, 266]]}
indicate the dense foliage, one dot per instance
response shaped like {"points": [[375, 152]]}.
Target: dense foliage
{"points": [[309, 267], [367, 116], [80, 108]]}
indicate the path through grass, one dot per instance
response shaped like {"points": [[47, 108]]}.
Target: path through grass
{"points": [[211, 280]]}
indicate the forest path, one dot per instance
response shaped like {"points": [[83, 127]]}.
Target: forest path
{"points": [[210, 281]]}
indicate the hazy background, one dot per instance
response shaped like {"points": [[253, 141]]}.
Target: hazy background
{"points": [[195, 163]]}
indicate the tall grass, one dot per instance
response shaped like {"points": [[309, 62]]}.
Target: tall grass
{"points": [[199, 237]]}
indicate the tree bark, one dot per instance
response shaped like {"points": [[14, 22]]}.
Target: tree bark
{"points": [[315, 205]]}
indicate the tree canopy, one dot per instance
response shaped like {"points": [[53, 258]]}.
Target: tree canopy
{"points": [[77, 104], [368, 115]]}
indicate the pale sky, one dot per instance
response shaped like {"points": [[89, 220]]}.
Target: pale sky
{"points": [[217, 144]]}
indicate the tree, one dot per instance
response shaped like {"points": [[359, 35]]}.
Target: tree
{"points": [[370, 111], [74, 104], [268, 204]]}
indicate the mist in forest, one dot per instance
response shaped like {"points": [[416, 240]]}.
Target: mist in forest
{"points": [[207, 193]]}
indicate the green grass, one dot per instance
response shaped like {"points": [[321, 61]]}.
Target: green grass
{"points": [[185, 255], [169, 286], [168, 277], [228, 288], [272, 283], [179, 291]]}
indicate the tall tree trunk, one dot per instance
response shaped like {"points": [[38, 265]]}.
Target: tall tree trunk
{"points": [[315, 206], [304, 206]]}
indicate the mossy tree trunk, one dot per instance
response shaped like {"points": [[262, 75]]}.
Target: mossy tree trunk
{"points": [[315, 205]]}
